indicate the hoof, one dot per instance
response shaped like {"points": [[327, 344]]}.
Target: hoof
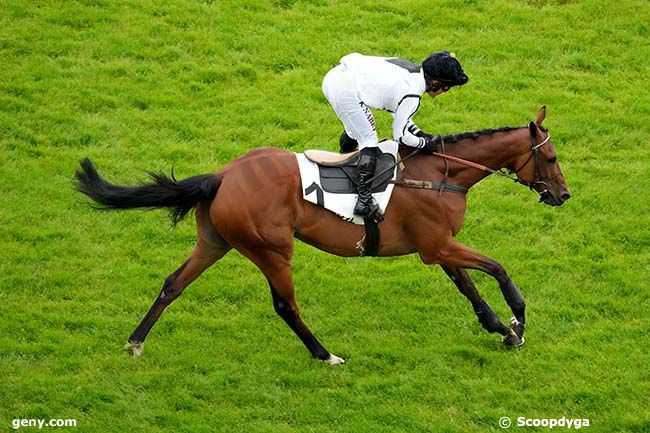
{"points": [[136, 348], [334, 360], [513, 340]]}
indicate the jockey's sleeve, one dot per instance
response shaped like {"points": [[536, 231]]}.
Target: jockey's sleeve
{"points": [[413, 128], [403, 127]]}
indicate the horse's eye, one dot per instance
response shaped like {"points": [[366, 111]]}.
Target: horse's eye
{"points": [[552, 160]]}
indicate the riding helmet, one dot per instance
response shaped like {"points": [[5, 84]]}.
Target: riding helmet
{"points": [[444, 67]]}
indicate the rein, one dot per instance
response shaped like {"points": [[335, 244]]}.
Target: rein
{"points": [[493, 171], [423, 184], [444, 186], [512, 175]]}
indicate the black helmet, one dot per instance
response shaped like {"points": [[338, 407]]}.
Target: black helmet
{"points": [[443, 67]]}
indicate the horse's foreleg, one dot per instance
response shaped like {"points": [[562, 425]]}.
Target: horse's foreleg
{"points": [[486, 317], [203, 256], [457, 255]]}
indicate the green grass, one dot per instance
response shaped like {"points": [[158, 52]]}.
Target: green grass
{"points": [[193, 84]]}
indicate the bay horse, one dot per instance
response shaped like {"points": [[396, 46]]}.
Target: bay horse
{"points": [[255, 205]]}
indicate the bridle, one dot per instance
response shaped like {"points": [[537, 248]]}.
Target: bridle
{"points": [[534, 150]]}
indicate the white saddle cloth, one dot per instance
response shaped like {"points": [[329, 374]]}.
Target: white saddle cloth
{"points": [[340, 204]]}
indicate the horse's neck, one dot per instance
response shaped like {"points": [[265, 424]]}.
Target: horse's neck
{"points": [[493, 151]]}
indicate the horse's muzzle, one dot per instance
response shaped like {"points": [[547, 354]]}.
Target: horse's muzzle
{"points": [[554, 199]]}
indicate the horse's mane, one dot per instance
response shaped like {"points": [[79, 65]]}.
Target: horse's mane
{"points": [[451, 139]]}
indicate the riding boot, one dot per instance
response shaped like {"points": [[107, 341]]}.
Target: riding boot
{"points": [[366, 204], [347, 144]]}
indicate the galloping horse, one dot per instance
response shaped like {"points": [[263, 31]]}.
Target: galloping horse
{"points": [[255, 205]]}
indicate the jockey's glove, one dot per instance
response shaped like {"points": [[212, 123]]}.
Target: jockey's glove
{"points": [[430, 144], [421, 133]]}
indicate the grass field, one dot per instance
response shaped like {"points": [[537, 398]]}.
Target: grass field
{"points": [[143, 85]]}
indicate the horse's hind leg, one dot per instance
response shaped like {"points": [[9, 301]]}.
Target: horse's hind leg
{"points": [[277, 269], [201, 259], [209, 248]]}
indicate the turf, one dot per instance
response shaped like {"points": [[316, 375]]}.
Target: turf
{"points": [[144, 85]]}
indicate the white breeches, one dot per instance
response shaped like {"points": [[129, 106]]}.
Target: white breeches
{"points": [[340, 90]]}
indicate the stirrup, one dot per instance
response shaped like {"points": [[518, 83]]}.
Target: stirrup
{"points": [[372, 210], [376, 215]]}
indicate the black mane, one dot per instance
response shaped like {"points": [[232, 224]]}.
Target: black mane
{"points": [[451, 139]]}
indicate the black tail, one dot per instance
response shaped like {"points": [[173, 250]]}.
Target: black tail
{"points": [[180, 196]]}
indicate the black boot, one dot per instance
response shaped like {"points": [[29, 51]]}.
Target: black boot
{"points": [[366, 204], [347, 144]]}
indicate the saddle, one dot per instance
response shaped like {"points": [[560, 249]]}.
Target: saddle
{"points": [[339, 175]]}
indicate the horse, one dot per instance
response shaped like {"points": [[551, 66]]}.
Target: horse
{"points": [[255, 205]]}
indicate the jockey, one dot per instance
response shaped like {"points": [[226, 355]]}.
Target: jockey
{"points": [[392, 84]]}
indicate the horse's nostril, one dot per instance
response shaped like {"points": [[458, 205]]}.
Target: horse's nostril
{"points": [[566, 196]]}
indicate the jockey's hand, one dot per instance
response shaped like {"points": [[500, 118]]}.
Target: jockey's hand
{"points": [[430, 145]]}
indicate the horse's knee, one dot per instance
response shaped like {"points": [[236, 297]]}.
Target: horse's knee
{"points": [[498, 272]]}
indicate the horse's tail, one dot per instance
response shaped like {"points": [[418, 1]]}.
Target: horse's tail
{"points": [[180, 196]]}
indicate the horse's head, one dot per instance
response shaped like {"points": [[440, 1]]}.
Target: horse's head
{"points": [[538, 168]]}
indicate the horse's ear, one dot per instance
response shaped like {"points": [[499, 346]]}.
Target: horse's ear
{"points": [[541, 114], [532, 127]]}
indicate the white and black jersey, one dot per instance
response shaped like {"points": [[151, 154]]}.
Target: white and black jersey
{"points": [[392, 84]]}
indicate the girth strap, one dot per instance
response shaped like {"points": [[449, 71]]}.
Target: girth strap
{"points": [[371, 240]]}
